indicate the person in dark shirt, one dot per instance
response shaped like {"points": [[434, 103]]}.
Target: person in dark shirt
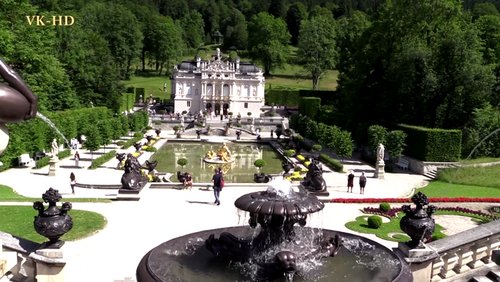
{"points": [[362, 183], [218, 182], [350, 182]]}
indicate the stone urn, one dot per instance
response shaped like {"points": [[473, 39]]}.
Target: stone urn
{"points": [[418, 223], [52, 222]]}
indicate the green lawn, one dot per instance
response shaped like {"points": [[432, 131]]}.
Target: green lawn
{"points": [[295, 77], [360, 225], [7, 194], [488, 176], [18, 221], [153, 85], [444, 189], [480, 160]]}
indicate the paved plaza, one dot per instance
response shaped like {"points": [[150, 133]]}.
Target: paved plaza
{"points": [[135, 227]]}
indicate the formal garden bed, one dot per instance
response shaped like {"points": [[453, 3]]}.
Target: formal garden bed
{"points": [[390, 229]]}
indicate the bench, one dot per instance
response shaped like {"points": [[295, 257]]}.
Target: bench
{"points": [[403, 164], [24, 160]]}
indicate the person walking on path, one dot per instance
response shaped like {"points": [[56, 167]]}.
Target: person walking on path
{"points": [[362, 183], [350, 182], [72, 182], [218, 182], [77, 159]]}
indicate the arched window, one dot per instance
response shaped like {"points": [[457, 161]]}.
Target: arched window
{"points": [[225, 90], [210, 90]]}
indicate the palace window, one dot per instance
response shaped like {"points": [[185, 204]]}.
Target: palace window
{"points": [[245, 105], [188, 103]]}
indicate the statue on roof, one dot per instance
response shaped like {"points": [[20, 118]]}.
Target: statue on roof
{"points": [[218, 54]]}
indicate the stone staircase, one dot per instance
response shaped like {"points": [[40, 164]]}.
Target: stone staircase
{"points": [[491, 276]]}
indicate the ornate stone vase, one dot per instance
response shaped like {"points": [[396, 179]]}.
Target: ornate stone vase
{"points": [[418, 223], [52, 222]]}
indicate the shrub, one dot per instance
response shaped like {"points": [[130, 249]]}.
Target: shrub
{"points": [[284, 97], [384, 207], [332, 163], [374, 221], [300, 158], [42, 162], [120, 143], [259, 163], [376, 134], [438, 236], [131, 142], [317, 147], [138, 134], [182, 162], [102, 159], [150, 149], [289, 153], [395, 143], [64, 154]]}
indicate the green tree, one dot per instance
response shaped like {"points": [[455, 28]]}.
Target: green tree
{"points": [[167, 43], [268, 39], [94, 141], [235, 33], [294, 16], [377, 134], [121, 30], [259, 164], [395, 143], [192, 25], [277, 8], [182, 162], [317, 47]]}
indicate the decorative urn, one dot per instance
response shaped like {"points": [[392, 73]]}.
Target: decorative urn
{"points": [[418, 223], [52, 222]]}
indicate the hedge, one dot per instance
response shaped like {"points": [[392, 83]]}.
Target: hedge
{"points": [[327, 96], [64, 154], [309, 106], [102, 159], [282, 97], [131, 141], [329, 136], [332, 163], [42, 162], [71, 123], [432, 144]]}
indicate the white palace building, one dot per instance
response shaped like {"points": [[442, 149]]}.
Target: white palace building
{"points": [[218, 87]]}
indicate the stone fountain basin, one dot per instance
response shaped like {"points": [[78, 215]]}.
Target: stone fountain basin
{"points": [[187, 259]]}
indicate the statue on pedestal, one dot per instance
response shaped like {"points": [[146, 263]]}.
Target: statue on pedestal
{"points": [[380, 153], [55, 148]]}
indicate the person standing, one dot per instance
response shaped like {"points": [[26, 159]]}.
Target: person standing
{"points": [[362, 183], [218, 182], [72, 182], [350, 182], [77, 159]]}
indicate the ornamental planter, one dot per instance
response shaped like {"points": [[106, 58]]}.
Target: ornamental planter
{"points": [[418, 223], [52, 222]]}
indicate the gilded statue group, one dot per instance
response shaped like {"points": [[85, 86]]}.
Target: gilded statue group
{"points": [[222, 154]]}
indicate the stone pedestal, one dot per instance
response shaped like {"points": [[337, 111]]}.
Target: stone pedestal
{"points": [[53, 165], [49, 265], [380, 170], [420, 261]]}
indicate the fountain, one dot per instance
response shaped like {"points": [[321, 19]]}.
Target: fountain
{"points": [[222, 156], [273, 248]]}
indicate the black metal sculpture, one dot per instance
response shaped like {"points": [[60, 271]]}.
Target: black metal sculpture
{"points": [[138, 146], [314, 180], [286, 166], [181, 177], [149, 138], [158, 132], [132, 178], [52, 222], [418, 223], [276, 213], [120, 157], [261, 177]]}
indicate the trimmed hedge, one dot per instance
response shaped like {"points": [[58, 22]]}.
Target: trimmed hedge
{"points": [[64, 154], [374, 221], [327, 96], [332, 163], [283, 97], [42, 162], [309, 106], [432, 144], [102, 159], [131, 142]]}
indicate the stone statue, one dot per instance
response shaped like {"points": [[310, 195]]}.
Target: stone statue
{"points": [[218, 54], [17, 102], [55, 148], [380, 153]]}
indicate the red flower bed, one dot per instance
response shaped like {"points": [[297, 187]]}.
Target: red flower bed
{"points": [[407, 200]]}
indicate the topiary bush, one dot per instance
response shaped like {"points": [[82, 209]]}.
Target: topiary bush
{"points": [[102, 159], [374, 221], [384, 207], [289, 153], [332, 163], [182, 162]]}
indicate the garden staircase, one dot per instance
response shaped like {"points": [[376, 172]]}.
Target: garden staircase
{"points": [[491, 276]]}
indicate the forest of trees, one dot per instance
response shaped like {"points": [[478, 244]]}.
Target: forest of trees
{"points": [[420, 62]]}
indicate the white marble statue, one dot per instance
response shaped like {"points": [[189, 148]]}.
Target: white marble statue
{"points": [[380, 153], [55, 148]]}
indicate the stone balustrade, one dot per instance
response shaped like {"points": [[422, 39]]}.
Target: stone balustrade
{"points": [[455, 254]]}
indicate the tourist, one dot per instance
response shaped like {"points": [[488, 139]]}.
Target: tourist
{"points": [[218, 183], [72, 182], [188, 180], [77, 159], [362, 183], [350, 182]]}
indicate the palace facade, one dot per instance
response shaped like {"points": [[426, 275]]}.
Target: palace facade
{"points": [[218, 87]]}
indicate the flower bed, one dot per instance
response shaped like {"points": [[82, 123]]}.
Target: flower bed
{"points": [[407, 200], [394, 212]]}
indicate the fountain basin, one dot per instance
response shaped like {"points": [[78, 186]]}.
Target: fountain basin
{"points": [[187, 259]]}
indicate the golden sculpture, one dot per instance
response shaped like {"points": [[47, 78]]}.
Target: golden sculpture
{"points": [[223, 155]]}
